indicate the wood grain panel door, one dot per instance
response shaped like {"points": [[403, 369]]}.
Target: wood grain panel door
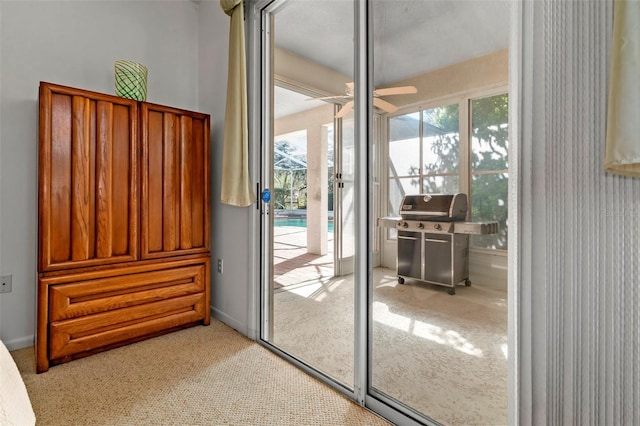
{"points": [[175, 182], [88, 173]]}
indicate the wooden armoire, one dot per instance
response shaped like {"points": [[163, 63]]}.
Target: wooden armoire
{"points": [[123, 216]]}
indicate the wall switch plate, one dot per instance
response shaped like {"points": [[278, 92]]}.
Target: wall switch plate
{"points": [[220, 265], [5, 284]]}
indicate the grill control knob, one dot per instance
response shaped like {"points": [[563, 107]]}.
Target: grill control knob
{"points": [[437, 226], [405, 225], [421, 226]]}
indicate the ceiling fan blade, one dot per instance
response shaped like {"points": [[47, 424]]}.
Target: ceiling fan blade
{"points": [[400, 90], [325, 98], [350, 88], [384, 105], [346, 108]]}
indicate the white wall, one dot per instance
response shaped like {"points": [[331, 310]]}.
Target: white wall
{"points": [[231, 234], [75, 43]]}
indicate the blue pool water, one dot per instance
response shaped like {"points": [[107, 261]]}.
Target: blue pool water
{"points": [[299, 222]]}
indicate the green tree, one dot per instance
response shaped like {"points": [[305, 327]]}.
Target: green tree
{"points": [[489, 186], [289, 176], [489, 153]]}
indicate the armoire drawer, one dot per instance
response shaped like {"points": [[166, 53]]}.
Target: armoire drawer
{"points": [[92, 293], [91, 332]]}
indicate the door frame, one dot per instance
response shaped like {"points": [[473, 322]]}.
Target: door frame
{"points": [[519, 263], [260, 90]]}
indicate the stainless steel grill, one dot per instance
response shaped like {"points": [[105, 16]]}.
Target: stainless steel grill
{"points": [[433, 238]]}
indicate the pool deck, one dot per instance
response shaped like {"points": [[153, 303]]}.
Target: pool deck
{"points": [[291, 262]]}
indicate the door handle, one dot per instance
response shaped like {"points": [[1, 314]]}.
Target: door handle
{"points": [[265, 196]]}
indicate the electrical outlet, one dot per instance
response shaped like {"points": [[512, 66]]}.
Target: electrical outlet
{"points": [[220, 265], [5, 284]]}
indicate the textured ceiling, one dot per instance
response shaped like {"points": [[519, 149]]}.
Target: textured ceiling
{"points": [[411, 37]]}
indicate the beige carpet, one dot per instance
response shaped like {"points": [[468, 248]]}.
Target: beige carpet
{"points": [[198, 376], [442, 355]]}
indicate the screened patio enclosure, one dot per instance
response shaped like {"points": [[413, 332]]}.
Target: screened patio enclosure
{"points": [[290, 170]]}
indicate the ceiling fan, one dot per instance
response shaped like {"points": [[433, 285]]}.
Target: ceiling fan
{"points": [[377, 102]]}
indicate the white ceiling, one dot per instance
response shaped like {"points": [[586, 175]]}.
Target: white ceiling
{"points": [[411, 37], [287, 102]]}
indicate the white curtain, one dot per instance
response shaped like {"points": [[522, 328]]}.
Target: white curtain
{"points": [[236, 189], [622, 154]]}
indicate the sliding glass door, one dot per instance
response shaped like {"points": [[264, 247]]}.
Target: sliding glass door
{"points": [[308, 287], [362, 103]]}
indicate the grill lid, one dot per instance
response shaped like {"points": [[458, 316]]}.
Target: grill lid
{"points": [[444, 207]]}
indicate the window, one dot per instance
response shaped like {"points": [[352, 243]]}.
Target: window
{"points": [[426, 155], [441, 150], [489, 177]]}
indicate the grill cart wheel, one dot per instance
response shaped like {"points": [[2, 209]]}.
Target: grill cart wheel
{"points": [[451, 291], [400, 280], [467, 282]]}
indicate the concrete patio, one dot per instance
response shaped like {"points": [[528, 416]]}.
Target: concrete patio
{"points": [[292, 263]]}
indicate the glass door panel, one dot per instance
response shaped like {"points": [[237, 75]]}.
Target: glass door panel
{"points": [[309, 296], [344, 197], [433, 355]]}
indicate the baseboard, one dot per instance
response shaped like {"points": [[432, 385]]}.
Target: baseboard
{"points": [[26, 341], [488, 269], [230, 321], [19, 343]]}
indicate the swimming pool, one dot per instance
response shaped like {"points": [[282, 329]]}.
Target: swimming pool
{"points": [[300, 222]]}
